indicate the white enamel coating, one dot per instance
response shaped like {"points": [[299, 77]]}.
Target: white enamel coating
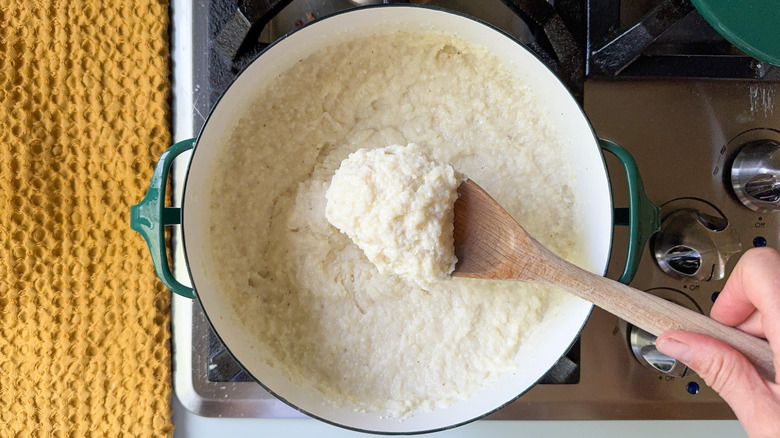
{"points": [[548, 343]]}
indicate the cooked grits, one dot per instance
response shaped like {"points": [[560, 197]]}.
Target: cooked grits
{"points": [[396, 204], [319, 308]]}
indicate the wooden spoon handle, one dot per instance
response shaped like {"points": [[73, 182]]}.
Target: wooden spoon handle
{"points": [[654, 314]]}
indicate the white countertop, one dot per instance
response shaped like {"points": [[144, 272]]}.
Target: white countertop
{"points": [[189, 425]]}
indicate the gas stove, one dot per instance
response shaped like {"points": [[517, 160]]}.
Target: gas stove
{"points": [[697, 115]]}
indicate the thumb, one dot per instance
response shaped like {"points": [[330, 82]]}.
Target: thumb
{"points": [[723, 369]]}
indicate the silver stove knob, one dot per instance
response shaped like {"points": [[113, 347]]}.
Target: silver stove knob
{"points": [[643, 347], [755, 175], [695, 245], [642, 343]]}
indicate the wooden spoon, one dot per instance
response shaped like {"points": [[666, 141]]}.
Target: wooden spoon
{"points": [[489, 244]]}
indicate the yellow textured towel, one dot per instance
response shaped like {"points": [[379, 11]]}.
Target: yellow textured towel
{"points": [[84, 323]]}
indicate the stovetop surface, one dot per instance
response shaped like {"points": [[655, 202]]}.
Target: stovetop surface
{"points": [[679, 129]]}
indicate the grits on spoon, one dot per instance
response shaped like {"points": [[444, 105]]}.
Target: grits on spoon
{"points": [[395, 203]]}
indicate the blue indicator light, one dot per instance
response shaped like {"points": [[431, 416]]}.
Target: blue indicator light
{"points": [[692, 388], [759, 242]]}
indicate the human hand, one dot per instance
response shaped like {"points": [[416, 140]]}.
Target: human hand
{"points": [[750, 301]]}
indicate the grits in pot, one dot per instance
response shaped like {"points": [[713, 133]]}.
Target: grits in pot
{"points": [[320, 309]]}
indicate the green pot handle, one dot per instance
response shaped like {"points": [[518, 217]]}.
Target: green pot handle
{"points": [[151, 216], [642, 217]]}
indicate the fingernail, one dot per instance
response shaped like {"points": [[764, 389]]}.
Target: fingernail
{"points": [[676, 349]]}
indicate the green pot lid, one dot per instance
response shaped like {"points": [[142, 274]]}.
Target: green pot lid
{"points": [[751, 25]]}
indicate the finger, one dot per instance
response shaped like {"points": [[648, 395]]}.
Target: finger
{"points": [[753, 325], [754, 284], [733, 307], [728, 372]]}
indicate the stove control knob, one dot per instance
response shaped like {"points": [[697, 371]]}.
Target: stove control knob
{"points": [[695, 245], [643, 347], [755, 175], [642, 343]]}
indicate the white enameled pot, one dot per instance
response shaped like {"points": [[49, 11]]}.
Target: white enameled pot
{"points": [[541, 351]]}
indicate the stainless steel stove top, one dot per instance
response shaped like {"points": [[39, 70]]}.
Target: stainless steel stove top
{"points": [[683, 132]]}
